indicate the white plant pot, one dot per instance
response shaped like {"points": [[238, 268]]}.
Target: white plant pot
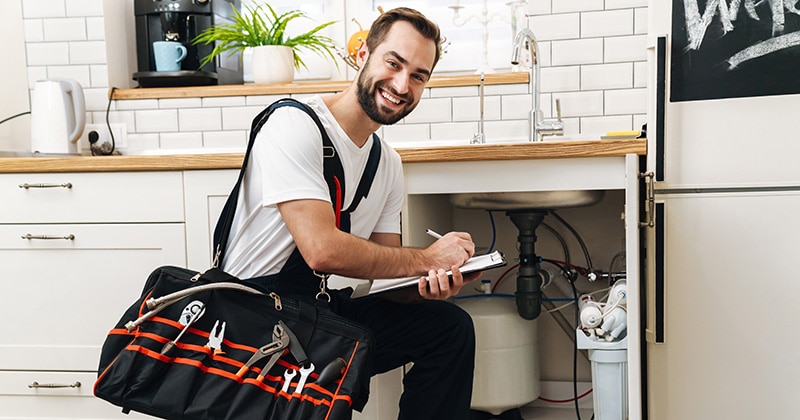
{"points": [[273, 64]]}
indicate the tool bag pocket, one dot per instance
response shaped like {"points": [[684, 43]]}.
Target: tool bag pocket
{"points": [[212, 347]]}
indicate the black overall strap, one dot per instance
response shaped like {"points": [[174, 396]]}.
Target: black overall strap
{"points": [[364, 185], [332, 171]]}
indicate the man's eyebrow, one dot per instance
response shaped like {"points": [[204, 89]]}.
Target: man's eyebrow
{"points": [[402, 60]]}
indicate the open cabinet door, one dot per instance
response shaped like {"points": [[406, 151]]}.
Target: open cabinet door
{"points": [[633, 206]]}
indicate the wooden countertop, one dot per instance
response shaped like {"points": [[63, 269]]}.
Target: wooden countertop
{"points": [[485, 152]]}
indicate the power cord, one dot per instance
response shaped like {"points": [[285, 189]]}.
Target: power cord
{"points": [[494, 232], [15, 116], [104, 149], [578, 237]]}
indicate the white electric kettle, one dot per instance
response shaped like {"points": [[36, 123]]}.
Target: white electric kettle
{"points": [[58, 117]]}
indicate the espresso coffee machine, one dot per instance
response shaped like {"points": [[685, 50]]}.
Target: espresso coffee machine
{"points": [[181, 21]]}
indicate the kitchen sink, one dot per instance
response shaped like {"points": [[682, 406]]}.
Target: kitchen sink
{"points": [[14, 153], [184, 151], [528, 200], [466, 142]]}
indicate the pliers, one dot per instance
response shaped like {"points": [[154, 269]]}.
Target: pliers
{"points": [[274, 350]]}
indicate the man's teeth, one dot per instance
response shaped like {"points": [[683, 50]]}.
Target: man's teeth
{"points": [[392, 99]]}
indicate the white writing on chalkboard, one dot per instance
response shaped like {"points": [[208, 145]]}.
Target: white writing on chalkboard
{"points": [[728, 12]]}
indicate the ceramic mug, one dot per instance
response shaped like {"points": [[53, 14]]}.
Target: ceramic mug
{"points": [[169, 55]]}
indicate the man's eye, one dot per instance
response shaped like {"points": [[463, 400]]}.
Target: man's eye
{"points": [[392, 63]]}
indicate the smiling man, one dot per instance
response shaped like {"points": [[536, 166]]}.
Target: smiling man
{"points": [[285, 225]]}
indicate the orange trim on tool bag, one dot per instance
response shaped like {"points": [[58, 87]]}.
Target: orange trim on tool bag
{"points": [[144, 302], [183, 361], [346, 371], [155, 337], [202, 333], [102, 375], [167, 321], [338, 205], [232, 376], [288, 396]]}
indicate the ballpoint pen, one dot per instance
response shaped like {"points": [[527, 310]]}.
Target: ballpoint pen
{"points": [[434, 234]]}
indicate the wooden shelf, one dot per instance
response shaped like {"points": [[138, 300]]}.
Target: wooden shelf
{"points": [[300, 87]]}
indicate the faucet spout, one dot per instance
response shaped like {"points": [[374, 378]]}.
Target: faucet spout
{"points": [[525, 39]]}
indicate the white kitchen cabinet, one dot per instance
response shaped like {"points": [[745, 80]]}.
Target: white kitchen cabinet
{"points": [[76, 249], [205, 195], [721, 282]]}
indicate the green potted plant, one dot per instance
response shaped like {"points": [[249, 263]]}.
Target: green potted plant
{"points": [[275, 53]]}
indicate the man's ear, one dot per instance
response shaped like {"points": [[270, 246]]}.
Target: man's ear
{"points": [[362, 54]]}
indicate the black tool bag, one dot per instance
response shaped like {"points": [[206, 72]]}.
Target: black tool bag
{"points": [[211, 346]]}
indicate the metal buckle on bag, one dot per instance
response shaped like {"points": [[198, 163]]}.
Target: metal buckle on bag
{"points": [[328, 152], [323, 287]]}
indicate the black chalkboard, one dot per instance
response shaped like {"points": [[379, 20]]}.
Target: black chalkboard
{"points": [[707, 72]]}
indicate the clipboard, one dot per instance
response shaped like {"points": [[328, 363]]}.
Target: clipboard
{"points": [[476, 263]]}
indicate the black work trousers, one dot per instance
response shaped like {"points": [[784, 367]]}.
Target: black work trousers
{"points": [[437, 336]]}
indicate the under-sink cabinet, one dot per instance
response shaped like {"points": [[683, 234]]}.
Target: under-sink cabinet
{"points": [[76, 249], [79, 246]]}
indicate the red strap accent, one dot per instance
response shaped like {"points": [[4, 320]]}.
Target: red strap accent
{"points": [[338, 204]]}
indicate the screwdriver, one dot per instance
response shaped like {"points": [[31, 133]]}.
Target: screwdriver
{"points": [[331, 372]]}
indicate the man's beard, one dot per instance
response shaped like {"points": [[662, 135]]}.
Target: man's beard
{"points": [[366, 97]]}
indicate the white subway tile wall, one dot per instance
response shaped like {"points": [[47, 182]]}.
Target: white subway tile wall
{"points": [[592, 54]]}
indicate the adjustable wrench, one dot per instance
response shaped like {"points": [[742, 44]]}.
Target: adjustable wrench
{"points": [[274, 349]]}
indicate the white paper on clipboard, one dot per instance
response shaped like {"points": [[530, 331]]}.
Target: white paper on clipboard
{"points": [[476, 263]]}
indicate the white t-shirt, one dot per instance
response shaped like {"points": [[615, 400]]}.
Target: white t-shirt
{"points": [[286, 164]]}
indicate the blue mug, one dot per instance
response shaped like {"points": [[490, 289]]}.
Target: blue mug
{"points": [[169, 55]]}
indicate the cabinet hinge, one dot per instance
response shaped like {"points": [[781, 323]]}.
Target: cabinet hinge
{"points": [[651, 199]]}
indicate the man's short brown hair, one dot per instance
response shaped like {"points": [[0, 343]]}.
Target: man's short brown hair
{"points": [[426, 28]]}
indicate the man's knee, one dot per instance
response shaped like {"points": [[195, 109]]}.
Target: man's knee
{"points": [[455, 322]]}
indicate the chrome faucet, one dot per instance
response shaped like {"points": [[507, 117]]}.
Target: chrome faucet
{"points": [[538, 127], [480, 136]]}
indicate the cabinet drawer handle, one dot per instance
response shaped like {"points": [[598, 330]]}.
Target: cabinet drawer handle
{"points": [[35, 384], [69, 237], [64, 185]]}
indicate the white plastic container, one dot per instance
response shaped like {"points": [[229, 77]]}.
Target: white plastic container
{"points": [[609, 376], [506, 356]]}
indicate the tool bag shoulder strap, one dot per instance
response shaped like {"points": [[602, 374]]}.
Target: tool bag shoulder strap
{"points": [[332, 171]]}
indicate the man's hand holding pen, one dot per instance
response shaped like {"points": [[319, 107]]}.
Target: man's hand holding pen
{"points": [[450, 251]]}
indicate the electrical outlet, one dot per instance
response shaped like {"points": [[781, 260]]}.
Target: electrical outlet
{"points": [[104, 136]]}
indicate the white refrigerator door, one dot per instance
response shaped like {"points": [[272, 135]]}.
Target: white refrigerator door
{"points": [[736, 142], [729, 308]]}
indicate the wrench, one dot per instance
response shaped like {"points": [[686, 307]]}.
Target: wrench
{"points": [[193, 316], [287, 379], [304, 372]]}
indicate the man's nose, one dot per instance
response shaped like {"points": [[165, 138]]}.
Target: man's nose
{"points": [[400, 83]]}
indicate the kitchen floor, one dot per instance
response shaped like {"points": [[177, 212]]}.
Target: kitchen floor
{"points": [[552, 413], [542, 413]]}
